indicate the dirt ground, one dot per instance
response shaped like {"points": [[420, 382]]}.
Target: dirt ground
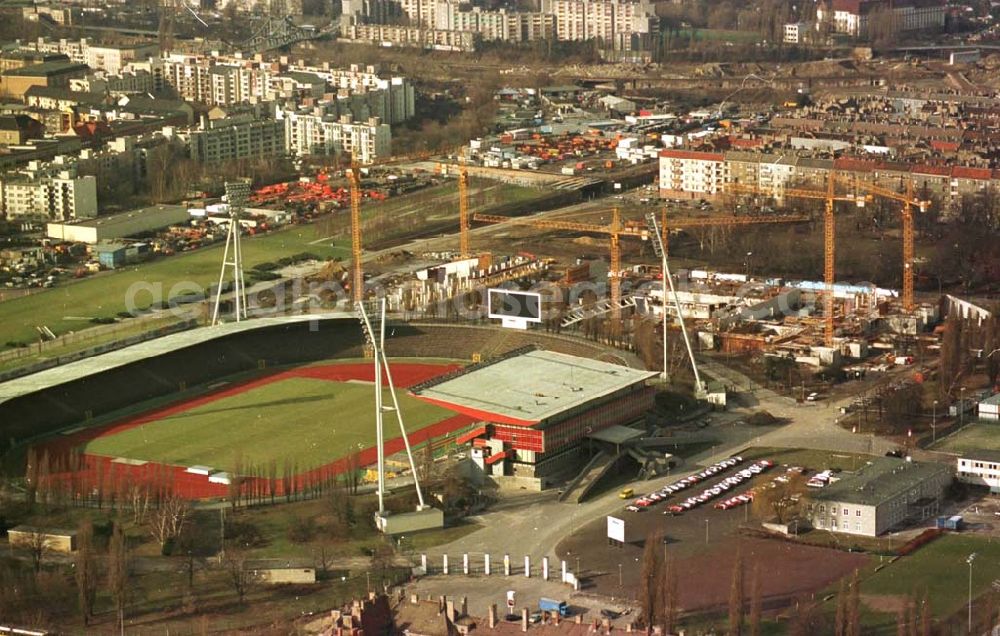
{"points": [[704, 542]]}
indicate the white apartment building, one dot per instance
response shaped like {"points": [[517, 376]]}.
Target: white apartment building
{"points": [[111, 58], [795, 32], [989, 409], [853, 17], [233, 138], [128, 82], [314, 132], [48, 194], [688, 174], [880, 496], [615, 22], [407, 36], [980, 468]]}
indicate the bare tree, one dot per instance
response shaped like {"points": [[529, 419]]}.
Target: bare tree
{"points": [[782, 502], [649, 588], [37, 544], [118, 572], [670, 605], [167, 520], [235, 563], [852, 626], [85, 570], [736, 597], [840, 618], [755, 602]]}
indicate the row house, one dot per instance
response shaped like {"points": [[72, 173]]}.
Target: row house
{"points": [[706, 174]]}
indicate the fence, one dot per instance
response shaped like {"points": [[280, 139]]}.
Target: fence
{"points": [[485, 565]]}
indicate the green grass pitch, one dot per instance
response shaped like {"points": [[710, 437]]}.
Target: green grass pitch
{"points": [[977, 436], [307, 421]]}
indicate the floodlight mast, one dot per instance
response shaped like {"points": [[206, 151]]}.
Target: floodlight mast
{"points": [[237, 194], [657, 239], [377, 342]]}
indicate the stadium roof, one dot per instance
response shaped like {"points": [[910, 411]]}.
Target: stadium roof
{"points": [[532, 387], [149, 349], [882, 479]]}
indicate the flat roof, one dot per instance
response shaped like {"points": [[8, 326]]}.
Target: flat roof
{"points": [[617, 434], [53, 67], [981, 455], [111, 220], [531, 387], [881, 479], [993, 399]]}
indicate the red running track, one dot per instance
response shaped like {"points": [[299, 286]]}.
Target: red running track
{"points": [[118, 477]]}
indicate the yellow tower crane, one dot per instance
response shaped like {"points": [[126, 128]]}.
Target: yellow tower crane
{"points": [[617, 229], [909, 201], [357, 274], [463, 213], [829, 197]]}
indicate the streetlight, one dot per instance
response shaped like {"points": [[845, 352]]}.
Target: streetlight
{"points": [[746, 264], [972, 557], [620, 575], [934, 423], [706, 531]]}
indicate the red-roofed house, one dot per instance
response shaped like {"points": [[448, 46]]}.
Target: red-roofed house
{"points": [[692, 174]]}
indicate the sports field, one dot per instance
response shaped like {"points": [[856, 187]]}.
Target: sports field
{"points": [[977, 436], [306, 418]]}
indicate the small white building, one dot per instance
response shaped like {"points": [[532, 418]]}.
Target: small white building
{"points": [[980, 468], [989, 409], [795, 32]]}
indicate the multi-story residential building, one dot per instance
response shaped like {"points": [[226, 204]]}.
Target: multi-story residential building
{"points": [[980, 468], [271, 7], [495, 25], [704, 174], [856, 17], [316, 132], [48, 192], [795, 32], [111, 58], [19, 58], [620, 24], [61, 15], [880, 496], [685, 173], [233, 138], [18, 81], [128, 82], [407, 36]]}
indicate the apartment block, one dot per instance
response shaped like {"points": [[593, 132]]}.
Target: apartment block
{"points": [[407, 36], [620, 24], [48, 193], [111, 58], [690, 174], [856, 17], [316, 132], [233, 138]]}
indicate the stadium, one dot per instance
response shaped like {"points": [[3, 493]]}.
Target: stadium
{"points": [[282, 404]]}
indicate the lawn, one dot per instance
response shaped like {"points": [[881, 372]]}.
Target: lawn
{"points": [[940, 568], [974, 437], [309, 421], [71, 306], [811, 459]]}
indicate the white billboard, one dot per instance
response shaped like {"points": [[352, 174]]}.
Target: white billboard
{"points": [[515, 308], [616, 529]]}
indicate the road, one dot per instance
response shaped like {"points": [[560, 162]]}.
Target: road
{"points": [[538, 521]]}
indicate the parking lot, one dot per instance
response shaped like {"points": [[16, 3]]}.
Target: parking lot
{"points": [[704, 540]]}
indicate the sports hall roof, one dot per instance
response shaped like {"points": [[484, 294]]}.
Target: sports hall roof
{"points": [[531, 387]]}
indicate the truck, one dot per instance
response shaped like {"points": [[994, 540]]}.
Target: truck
{"points": [[552, 605]]}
